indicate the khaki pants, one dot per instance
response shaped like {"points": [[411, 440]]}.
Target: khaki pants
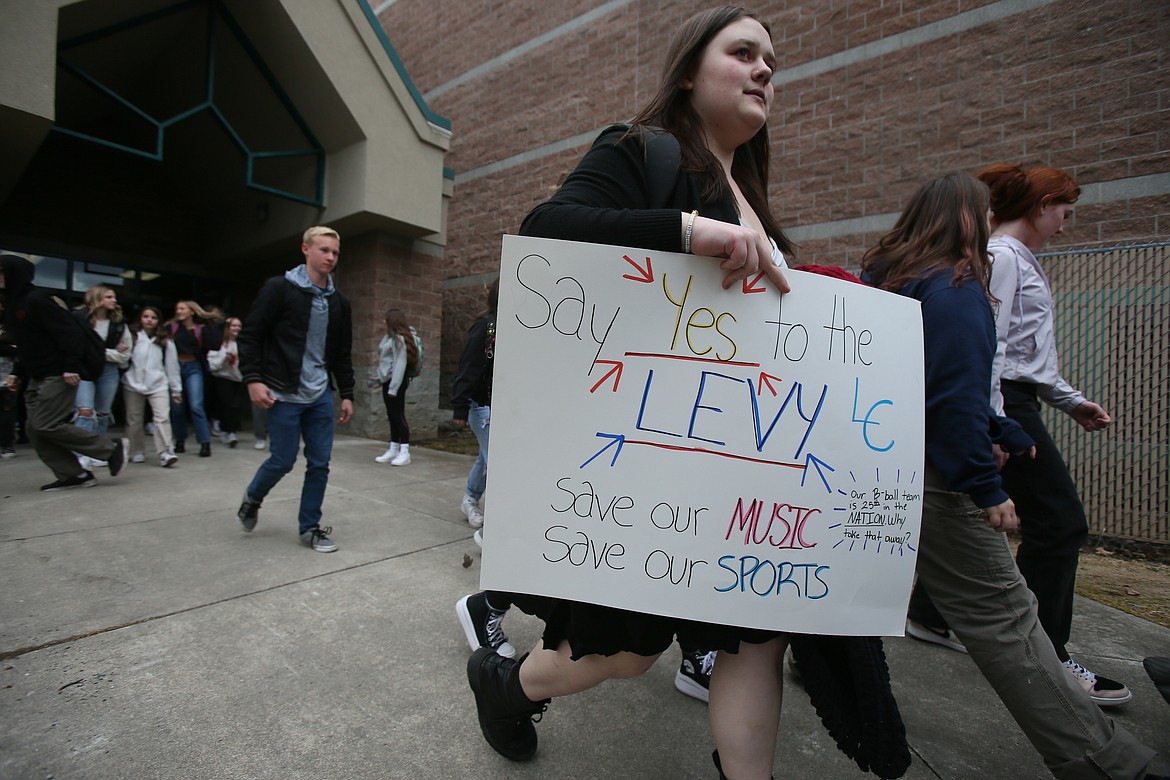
{"points": [[160, 410], [50, 408], [969, 572]]}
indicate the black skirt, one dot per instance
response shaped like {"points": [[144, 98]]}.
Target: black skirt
{"points": [[591, 629]]}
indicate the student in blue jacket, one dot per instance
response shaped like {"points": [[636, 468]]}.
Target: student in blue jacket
{"points": [[937, 254]]}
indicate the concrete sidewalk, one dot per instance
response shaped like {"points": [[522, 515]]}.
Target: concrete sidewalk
{"points": [[145, 635]]}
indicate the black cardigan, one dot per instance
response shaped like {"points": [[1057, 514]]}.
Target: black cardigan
{"points": [[609, 199]]}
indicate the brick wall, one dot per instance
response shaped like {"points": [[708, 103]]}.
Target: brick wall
{"points": [[1062, 84], [379, 272]]}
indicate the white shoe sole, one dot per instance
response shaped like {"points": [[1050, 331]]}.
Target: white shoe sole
{"points": [[926, 635], [691, 688], [505, 649], [473, 520]]}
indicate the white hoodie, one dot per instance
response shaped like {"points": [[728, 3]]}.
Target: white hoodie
{"points": [[149, 372]]}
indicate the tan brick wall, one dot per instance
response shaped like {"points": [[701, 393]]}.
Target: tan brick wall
{"points": [[377, 272], [1064, 85]]}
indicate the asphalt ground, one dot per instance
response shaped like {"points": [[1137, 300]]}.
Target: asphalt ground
{"points": [[144, 635]]}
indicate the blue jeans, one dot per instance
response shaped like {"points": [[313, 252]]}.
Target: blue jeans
{"points": [[192, 376], [477, 420], [98, 395], [287, 424]]}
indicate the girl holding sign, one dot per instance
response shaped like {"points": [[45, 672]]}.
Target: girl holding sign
{"points": [[710, 200], [937, 253]]}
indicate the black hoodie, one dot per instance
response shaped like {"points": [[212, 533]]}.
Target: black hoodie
{"points": [[39, 323]]}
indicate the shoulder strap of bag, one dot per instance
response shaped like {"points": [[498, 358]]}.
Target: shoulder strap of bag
{"points": [[663, 162]]}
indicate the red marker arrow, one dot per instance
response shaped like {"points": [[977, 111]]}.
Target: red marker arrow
{"points": [[750, 286], [646, 274], [766, 380], [617, 369]]}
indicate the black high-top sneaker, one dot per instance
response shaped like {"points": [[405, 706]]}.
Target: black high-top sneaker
{"points": [[506, 715]]}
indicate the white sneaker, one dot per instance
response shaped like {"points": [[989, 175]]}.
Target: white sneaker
{"points": [[935, 636], [89, 464], [223, 437], [260, 444], [167, 459], [1103, 691], [477, 537], [390, 454], [138, 457], [471, 510], [232, 440], [403, 456]]}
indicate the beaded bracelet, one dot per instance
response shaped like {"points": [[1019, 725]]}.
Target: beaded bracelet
{"points": [[690, 230]]}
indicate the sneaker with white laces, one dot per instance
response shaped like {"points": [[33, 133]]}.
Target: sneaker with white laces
{"points": [[1103, 691], [471, 510], [481, 624], [167, 459], [232, 440], [936, 636], [390, 454], [260, 444], [694, 674], [138, 457], [318, 538]]}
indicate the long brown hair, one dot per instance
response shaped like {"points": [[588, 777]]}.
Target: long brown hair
{"points": [[671, 109], [944, 225], [396, 325], [1020, 193], [161, 335]]}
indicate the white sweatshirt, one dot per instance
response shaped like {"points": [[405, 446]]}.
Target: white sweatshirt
{"points": [[150, 371]]}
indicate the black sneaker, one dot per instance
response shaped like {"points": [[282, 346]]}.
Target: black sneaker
{"points": [[694, 674], [180, 447], [84, 479], [481, 624], [505, 714], [318, 538], [248, 513], [117, 458]]}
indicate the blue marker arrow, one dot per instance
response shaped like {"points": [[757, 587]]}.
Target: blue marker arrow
{"points": [[815, 462], [615, 438]]}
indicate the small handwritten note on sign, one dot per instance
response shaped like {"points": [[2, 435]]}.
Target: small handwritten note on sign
{"points": [[663, 445]]}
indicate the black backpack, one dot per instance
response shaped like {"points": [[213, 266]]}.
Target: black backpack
{"points": [[93, 349]]}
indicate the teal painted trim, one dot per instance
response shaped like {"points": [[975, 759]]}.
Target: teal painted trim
{"points": [[185, 114], [128, 24], [448, 173], [288, 153], [384, 39], [216, 11], [109, 92], [315, 202], [156, 156], [269, 76]]}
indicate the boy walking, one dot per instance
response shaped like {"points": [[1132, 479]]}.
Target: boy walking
{"points": [[298, 332]]}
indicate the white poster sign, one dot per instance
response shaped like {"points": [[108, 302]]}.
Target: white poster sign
{"points": [[736, 456]]}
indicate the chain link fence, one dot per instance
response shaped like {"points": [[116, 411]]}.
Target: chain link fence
{"points": [[1112, 308]]}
